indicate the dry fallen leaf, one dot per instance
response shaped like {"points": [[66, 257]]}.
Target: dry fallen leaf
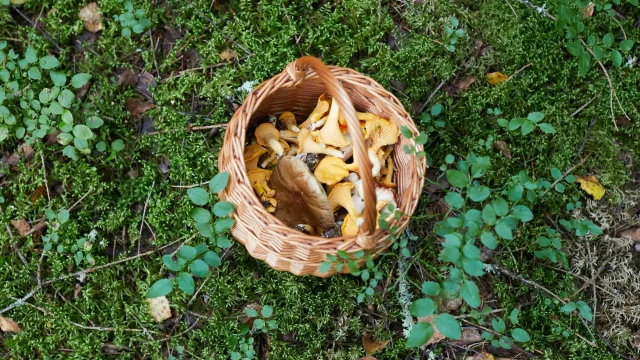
{"points": [[26, 150], [228, 55], [92, 17], [592, 186], [587, 11], [496, 78], [8, 325], [633, 234], [22, 226], [127, 78], [372, 346], [137, 106], [437, 335], [38, 193], [469, 336], [368, 357], [159, 308], [503, 147], [461, 85]]}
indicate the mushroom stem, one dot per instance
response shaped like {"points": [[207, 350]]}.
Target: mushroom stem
{"points": [[275, 145]]}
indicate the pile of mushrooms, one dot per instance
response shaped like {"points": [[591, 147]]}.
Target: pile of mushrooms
{"points": [[292, 167]]}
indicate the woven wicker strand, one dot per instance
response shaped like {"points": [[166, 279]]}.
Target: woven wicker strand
{"points": [[297, 89]]}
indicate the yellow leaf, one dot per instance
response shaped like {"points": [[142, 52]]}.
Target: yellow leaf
{"points": [[371, 345], [228, 55], [8, 325], [591, 186], [496, 78]]}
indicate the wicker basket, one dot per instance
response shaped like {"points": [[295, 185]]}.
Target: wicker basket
{"points": [[297, 89]]}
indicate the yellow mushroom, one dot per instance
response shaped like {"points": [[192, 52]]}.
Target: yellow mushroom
{"points": [[379, 133], [289, 121], [349, 226], [305, 228], [268, 135], [289, 136], [293, 150], [272, 159], [318, 124], [321, 109], [259, 181], [361, 116], [270, 204], [388, 179], [306, 144], [252, 154], [331, 170], [340, 196], [330, 133]]}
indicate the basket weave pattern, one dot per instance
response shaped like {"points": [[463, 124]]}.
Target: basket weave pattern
{"points": [[297, 89]]}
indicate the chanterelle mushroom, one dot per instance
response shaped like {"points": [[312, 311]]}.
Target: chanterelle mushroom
{"points": [[321, 108], [301, 198], [331, 170], [289, 121], [259, 180], [306, 144], [268, 135], [340, 196], [388, 179], [330, 133], [379, 132], [361, 117], [273, 157], [252, 154], [349, 226]]}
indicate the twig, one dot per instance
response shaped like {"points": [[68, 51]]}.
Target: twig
{"points": [[15, 247], [46, 184], [22, 300], [104, 328], [512, 9], [424, 105], [584, 106], [44, 33], [468, 315], [206, 127], [518, 71], [80, 200], [144, 213], [189, 186], [153, 52], [567, 173]]}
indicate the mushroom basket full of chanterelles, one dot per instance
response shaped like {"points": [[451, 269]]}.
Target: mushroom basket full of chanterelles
{"points": [[316, 163]]}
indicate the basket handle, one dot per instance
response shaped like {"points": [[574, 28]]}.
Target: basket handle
{"points": [[297, 70]]}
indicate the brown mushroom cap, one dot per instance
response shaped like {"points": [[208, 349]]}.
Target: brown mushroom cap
{"points": [[268, 135], [301, 198]]}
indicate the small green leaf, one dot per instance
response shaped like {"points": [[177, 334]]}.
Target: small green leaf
{"points": [[200, 215], [547, 128], [198, 196], [457, 178], [212, 259], [473, 267], [49, 62], [161, 287], [66, 98], [574, 47], [515, 123], [616, 58], [224, 224], [223, 208], [500, 206], [251, 312], [585, 310], [173, 265], [186, 283], [448, 326], [626, 45], [267, 311], [520, 335], [522, 213], [199, 268], [559, 187], [556, 174], [488, 240], [488, 214], [436, 109], [527, 127], [454, 200], [406, 132], [63, 216], [34, 73], [325, 266], [422, 307], [568, 307], [514, 316], [430, 288], [223, 242], [498, 325], [79, 80], [58, 77], [219, 182], [608, 39], [535, 116], [187, 252], [583, 63], [478, 193], [94, 122], [420, 334], [503, 230], [30, 55], [82, 132], [470, 293]]}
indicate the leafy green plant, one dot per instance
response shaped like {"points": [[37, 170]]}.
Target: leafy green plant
{"points": [[583, 309], [260, 323], [370, 274], [550, 247], [36, 99], [498, 338], [54, 221], [453, 34], [132, 20], [195, 261], [528, 124]]}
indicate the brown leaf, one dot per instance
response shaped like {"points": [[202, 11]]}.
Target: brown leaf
{"points": [[10, 160], [77, 292], [137, 106], [437, 335], [245, 319], [52, 138], [83, 90], [461, 85], [496, 78], [38, 193], [26, 150], [22, 226], [145, 82], [228, 54], [503, 147], [469, 336], [368, 357], [127, 78], [633, 234], [372, 346], [113, 349], [92, 17], [587, 11], [8, 325], [159, 308]]}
